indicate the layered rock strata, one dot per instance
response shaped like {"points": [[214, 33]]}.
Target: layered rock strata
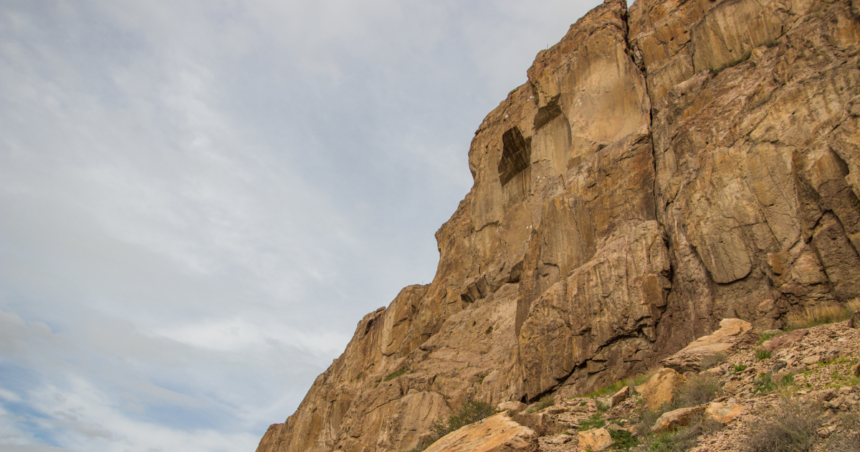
{"points": [[663, 168]]}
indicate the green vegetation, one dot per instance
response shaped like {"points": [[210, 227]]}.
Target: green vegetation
{"points": [[767, 336], [682, 439], [762, 354], [396, 374], [739, 368], [470, 412], [595, 421], [624, 440]]}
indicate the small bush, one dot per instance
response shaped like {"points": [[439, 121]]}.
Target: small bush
{"points": [[697, 390], [712, 360], [470, 412], [595, 421], [396, 374], [846, 438], [823, 315], [762, 354], [739, 368], [763, 384], [682, 439], [544, 402], [623, 440], [788, 427]]}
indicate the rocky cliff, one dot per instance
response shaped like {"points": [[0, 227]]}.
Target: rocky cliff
{"points": [[663, 168]]}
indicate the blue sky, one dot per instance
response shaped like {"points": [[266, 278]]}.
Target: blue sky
{"points": [[200, 199]]}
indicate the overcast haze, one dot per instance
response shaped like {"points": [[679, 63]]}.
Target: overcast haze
{"points": [[200, 199]]}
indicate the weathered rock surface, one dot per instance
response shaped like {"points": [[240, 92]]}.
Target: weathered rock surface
{"points": [[595, 439], [723, 412], [660, 388], [494, 434], [674, 419], [663, 168], [731, 333]]}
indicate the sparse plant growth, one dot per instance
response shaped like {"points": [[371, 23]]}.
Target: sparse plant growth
{"points": [[712, 360], [623, 440], [823, 315], [763, 384], [470, 412], [762, 354], [697, 390], [739, 368], [788, 427], [396, 374], [546, 401], [682, 439], [846, 438], [767, 336], [595, 421], [732, 63]]}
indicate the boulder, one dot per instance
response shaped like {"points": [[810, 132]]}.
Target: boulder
{"points": [[494, 434], [512, 407], [595, 439], [723, 412], [731, 333], [783, 340], [542, 423], [855, 320], [660, 388], [619, 397], [672, 420]]}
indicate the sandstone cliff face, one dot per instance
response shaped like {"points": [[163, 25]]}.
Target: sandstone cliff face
{"points": [[663, 168]]}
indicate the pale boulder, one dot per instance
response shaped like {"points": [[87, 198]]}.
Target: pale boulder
{"points": [[723, 412], [675, 419], [494, 434], [595, 439], [731, 333], [660, 388]]}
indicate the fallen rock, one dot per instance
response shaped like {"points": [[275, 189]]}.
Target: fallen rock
{"points": [[497, 433], [542, 423], [512, 407], [595, 439], [723, 412], [672, 420], [783, 340], [559, 439], [731, 333], [660, 388], [619, 397]]}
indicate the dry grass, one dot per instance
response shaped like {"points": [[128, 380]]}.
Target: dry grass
{"points": [[698, 390], [788, 427], [823, 315]]}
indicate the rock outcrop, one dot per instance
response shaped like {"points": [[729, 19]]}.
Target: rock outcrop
{"points": [[663, 168]]}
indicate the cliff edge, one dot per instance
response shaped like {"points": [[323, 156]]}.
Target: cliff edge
{"points": [[662, 169]]}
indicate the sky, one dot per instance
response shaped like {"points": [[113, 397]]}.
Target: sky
{"points": [[200, 199]]}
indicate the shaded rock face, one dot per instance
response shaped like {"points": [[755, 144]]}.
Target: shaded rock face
{"points": [[663, 168]]}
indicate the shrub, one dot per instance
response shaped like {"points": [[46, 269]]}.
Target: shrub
{"points": [[761, 354], [823, 315], [470, 412], [697, 390], [739, 368], [788, 427], [595, 421], [846, 438], [396, 374], [682, 439], [763, 384], [623, 440], [712, 360], [545, 402]]}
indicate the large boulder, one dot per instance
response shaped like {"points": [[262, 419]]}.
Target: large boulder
{"points": [[660, 388], [731, 333], [494, 434]]}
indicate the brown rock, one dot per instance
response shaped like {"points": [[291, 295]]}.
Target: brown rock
{"points": [[512, 407], [619, 397], [854, 322], [672, 420], [723, 412], [542, 423], [783, 340], [660, 388], [856, 370], [494, 434], [730, 334], [595, 439]]}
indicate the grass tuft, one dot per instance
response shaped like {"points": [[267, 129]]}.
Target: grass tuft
{"points": [[823, 315], [396, 374], [762, 354]]}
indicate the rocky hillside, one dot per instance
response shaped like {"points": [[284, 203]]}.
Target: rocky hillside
{"points": [[664, 168]]}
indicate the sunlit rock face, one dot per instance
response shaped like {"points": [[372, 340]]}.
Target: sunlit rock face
{"points": [[662, 169]]}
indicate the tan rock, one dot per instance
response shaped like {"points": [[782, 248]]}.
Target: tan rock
{"points": [[595, 439], [660, 388], [494, 434], [675, 419], [723, 412], [542, 423], [619, 396], [512, 407], [731, 333]]}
